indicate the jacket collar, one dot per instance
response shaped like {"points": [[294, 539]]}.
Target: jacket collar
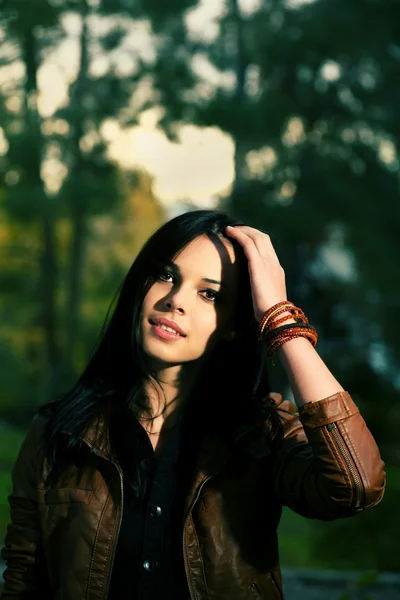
{"points": [[214, 448]]}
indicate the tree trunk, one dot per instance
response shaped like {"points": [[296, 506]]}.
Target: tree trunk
{"points": [[48, 257], [239, 66], [77, 204], [238, 200]]}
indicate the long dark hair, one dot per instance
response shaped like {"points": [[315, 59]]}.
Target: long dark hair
{"points": [[110, 390]]}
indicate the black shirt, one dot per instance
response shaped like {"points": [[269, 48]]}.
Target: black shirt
{"points": [[149, 561]]}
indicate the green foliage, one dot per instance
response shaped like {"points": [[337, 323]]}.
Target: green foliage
{"points": [[364, 541], [314, 86], [5, 488], [10, 441], [365, 581], [315, 89]]}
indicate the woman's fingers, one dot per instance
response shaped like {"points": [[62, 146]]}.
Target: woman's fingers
{"points": [[247, 243], [261, 241]]}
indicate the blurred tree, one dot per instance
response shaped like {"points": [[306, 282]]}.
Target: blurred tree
{"points": [[306, 92], [57, 176], [25, 199], [309, 93], [113, 241]]}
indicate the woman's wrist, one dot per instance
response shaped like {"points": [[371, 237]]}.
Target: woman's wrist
{"points": [[288, 317], [282, 323]]}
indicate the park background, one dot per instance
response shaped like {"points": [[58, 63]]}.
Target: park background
{"points": [[116, 115]]}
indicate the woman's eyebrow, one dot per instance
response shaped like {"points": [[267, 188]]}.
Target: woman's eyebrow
{"points": [[215, 281], [177, 269]]}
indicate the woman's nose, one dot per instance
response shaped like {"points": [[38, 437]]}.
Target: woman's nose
{"points": [[173, 303]]}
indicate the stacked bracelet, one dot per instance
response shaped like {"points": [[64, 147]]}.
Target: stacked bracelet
{"points": [[277, 336], [282, 334], [276, 322], [268, 321], [283, 306], [288, 327]]}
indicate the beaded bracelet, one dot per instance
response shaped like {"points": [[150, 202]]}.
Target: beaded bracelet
{"points": [[290, 326], [274, 323], [277, 336], [271, 352], [287, 332], [285, 305], [293, 310], [311, 335]]}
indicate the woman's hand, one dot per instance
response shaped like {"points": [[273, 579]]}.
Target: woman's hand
{"points": [[309, 377], [267, 277]]}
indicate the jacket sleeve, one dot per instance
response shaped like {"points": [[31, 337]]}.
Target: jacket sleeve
{"points": [[329, 465], [25, 575]]}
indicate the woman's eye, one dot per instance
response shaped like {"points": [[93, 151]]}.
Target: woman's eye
{"points": [[165, 276], [210, 295]]}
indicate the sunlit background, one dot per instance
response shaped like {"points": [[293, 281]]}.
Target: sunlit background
{"points": [[116, 115]]}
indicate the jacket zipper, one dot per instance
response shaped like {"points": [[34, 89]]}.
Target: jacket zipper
{"points": [[256, 591], [121, 511], [275, 585], [184, 525], [333, 429], [117, 534], [187, 516], [121, 514]]}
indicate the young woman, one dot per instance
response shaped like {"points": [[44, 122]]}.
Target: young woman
{"points": [[163, 472]]}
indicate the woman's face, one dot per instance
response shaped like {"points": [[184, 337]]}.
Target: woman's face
{"points": [[194, 294]]}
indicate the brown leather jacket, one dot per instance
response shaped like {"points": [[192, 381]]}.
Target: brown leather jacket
{"points": [[61, 541]]}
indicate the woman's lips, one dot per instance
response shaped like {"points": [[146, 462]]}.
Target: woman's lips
{"points": [[164, 334], [168, 323]]}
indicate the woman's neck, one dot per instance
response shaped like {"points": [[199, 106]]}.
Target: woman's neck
{"points": [[167, 395]]}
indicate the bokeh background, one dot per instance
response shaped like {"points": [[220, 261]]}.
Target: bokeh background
{"points": [[116, 115]]}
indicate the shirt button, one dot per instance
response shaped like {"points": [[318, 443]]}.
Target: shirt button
{"points": [[156, 511], [150, 565]]}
